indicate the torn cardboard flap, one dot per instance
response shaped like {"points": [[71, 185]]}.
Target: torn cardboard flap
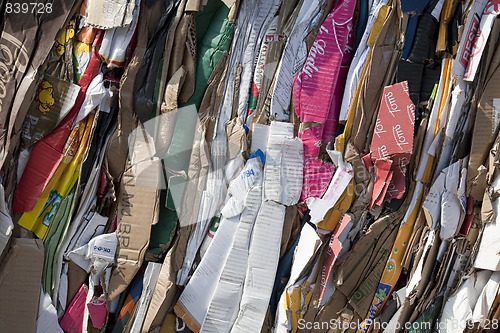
{"points": [[284, 166], [432, 203], [488, 256], [392, 140], [107, 14], [260, 134], [308, 244], [47, 320], [452, 208], [236, 138], [197, 180], [283, 160], [320, 207], [382, 177], [397, 186], [317, 174], [484, 133], [334, 247]]}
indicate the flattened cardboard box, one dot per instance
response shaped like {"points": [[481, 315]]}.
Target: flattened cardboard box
{"points": [[20, 281], [137, 211]]}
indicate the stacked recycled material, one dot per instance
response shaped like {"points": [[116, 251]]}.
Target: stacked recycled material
{"points": [[250, 166]]}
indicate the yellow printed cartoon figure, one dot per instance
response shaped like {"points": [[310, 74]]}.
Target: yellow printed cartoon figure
{"points": [[65, 35], [44, 96]]}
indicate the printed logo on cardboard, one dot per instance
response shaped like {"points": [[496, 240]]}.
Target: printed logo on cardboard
{"points": [[469, 42], [45, 96], [393, 136], [14, 57], [393, 132]]}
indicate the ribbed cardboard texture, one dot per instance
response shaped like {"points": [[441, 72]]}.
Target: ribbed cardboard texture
{"points": [[20, 281]]}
